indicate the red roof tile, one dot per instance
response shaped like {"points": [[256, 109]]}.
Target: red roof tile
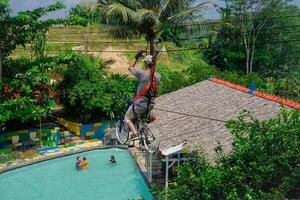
{"points": [[263, 95]]}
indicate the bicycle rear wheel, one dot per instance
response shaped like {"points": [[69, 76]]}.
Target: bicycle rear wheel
{"points": [[122, 131], [151, 139]]}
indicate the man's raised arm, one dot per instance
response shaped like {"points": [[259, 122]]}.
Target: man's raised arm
{"points": [[134, 61]]}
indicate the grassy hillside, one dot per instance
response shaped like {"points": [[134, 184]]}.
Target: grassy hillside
{"points": [[118, 51]]}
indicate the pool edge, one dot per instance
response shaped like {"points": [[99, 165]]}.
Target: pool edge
{"points": [[141, 169], [42, 159]]}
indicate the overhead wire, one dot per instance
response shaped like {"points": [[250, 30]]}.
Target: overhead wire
{"points": [[236, 21], [190, 115], [141, 41], [96, 41], [209, 36], [176, 50], [182, 39], [183, 25]]}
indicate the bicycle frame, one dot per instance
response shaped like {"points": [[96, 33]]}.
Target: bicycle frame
{"points": [[137, 122], [146, 137], [121, 119]]}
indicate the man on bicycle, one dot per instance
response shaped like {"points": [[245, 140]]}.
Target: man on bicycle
{"points": [[148, 83]]}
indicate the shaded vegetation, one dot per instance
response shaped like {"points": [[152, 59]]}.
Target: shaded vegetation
{"points": [[88, 90]]}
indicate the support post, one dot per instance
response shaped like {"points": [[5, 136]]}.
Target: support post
{"points": [[150, 170], [167, 172], [41, 134], [86, 42]]}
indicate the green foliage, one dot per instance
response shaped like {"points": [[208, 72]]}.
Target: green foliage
{"points": [[22, 64], [171, 80], [244, 80], [84, 14], [149, 18], [253, 26], [288, 87], [269, 33], [27, 97], [22, 28], [193, 69], [18, 30], [264, 163], [38, 45], [87, 90], [189, 68], [281, 59], [81, 67], [200, 71]]}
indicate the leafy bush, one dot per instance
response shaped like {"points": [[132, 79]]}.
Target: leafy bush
{"points": [[244, 80], [12, 67], [83, 14], [289, 88], [87, 89], [27, 97], [194, 69], [264, 163], [200, 71], [171, 80]]}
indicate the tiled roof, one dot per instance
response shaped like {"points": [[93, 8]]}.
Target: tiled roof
{"points": [[264, 95], [204, 102]]}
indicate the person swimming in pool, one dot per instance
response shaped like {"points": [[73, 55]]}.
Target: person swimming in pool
{"points": [[84, 164], [112, 160], [78, 162]]}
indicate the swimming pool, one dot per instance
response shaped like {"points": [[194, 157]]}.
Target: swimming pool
{"points": [[58, 179]]}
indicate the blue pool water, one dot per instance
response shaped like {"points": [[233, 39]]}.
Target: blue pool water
{"points": [[59, 180]]}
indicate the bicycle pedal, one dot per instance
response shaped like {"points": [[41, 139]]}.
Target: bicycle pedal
{"points": [[133, 136]]}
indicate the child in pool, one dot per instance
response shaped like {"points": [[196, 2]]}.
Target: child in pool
{"points": [[84, 164], [112, 160], [78, 163]]}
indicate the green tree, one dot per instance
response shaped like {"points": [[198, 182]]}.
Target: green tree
{"points": [[88, 90], [280, 61], [38, 45], [156, 19], [84, 13], [26, 97], [247, 31], [21, 29]]}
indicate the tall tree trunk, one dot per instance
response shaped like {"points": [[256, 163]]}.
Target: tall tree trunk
{"points": [[152, 46], [254, 36], [276, 76], [247, 49], [247, 61], [1, 67], [251, 60]]}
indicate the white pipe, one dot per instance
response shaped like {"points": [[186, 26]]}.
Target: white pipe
{"points": [[167, 171], [150, 170]]}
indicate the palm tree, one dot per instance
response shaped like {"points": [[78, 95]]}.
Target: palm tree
{"points": [[157, 20]]}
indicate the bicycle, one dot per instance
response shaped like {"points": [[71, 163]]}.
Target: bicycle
{"points": [[148, 137]]}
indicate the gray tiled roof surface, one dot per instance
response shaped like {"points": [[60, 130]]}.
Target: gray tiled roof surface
{"points": [[207, 99]]}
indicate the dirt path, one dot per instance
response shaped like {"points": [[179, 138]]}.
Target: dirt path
{"points": [[119, 60]]}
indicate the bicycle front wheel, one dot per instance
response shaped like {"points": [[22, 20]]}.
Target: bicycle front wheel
{"points": [[151, 139], [122, 131]]}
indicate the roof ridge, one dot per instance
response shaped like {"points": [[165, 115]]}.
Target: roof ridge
{"points": [[260, 94]]}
